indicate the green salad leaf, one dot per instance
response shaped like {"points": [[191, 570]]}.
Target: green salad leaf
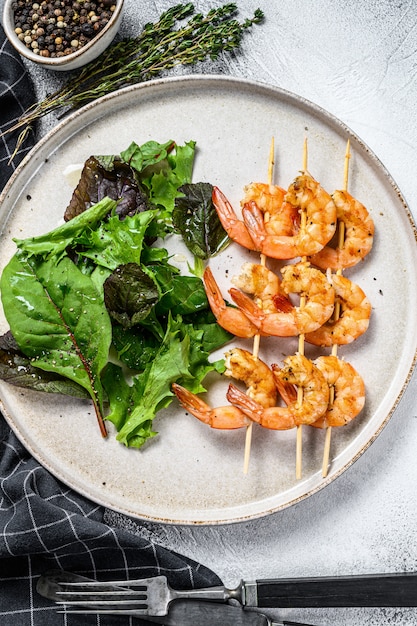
{"points": [[58, 319], [55, 242], [195, 217]]}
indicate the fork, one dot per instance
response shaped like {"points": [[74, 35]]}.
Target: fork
{"points": [[153, 596], [146, 596], [181, 612]]}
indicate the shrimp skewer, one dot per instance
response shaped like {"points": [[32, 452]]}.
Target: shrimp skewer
{"points": [[319, 226], [341, 241], [257, 339]]}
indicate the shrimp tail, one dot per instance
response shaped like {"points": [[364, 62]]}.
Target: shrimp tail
{"points": [[224, 417], [234, 227], [247, 405], [286, 390], [192, 403], [283, 304]]}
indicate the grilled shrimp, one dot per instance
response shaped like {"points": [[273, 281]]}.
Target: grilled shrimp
{"points": [[261, 283], [305, 194], [349, 391], [279, 217], [258, 377], [290, 321], [235, 228], [299, 371], [359, 233], [354, 316]]}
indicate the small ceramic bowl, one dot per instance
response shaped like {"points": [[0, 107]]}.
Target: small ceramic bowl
{"points": [[75, 59]]}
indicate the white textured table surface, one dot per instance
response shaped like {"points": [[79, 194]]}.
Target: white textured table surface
{"points": [[358, 60]]}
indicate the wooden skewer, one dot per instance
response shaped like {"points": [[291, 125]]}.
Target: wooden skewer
{"points": [[341, 240], [257, 338], [301, 345]]}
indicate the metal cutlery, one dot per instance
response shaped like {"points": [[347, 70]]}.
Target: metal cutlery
{"points": [[203, 613], [181, 612], [153, 596]]}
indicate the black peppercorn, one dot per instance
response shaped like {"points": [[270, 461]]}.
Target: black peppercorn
{"points": [[58, 28]]}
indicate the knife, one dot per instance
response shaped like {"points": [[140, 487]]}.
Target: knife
{"points": [[200, 612]]}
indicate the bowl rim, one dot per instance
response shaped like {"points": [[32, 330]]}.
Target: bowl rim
{"points": [[8, 25]]}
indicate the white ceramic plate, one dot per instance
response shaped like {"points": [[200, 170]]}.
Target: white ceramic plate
{"points": [[190, 473]]}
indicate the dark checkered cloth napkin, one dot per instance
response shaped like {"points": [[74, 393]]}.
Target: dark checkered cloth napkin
{"points": [[16, 94], [43, 524]]}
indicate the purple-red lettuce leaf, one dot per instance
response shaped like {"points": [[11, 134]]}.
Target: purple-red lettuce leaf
{"points": [[17, 369], [108, 177]]}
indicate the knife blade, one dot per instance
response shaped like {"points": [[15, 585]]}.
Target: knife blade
{"points": [[203, 613]]}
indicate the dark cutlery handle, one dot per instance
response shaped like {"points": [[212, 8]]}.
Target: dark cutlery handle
{"points": [[380, 590]]}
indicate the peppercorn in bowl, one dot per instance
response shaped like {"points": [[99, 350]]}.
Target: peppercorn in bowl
{"points": [[61, 34]]}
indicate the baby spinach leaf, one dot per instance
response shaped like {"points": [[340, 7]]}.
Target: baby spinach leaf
{"points": [[58, 319], [180, 294], [196, 219], [55, 242], [130, 294], [119, 394]]}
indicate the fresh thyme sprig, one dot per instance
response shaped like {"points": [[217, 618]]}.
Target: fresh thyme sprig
{"points": [[162, 45]]}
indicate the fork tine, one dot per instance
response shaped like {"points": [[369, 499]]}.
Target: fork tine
{"points": [[117, 593], [140, 583]]}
